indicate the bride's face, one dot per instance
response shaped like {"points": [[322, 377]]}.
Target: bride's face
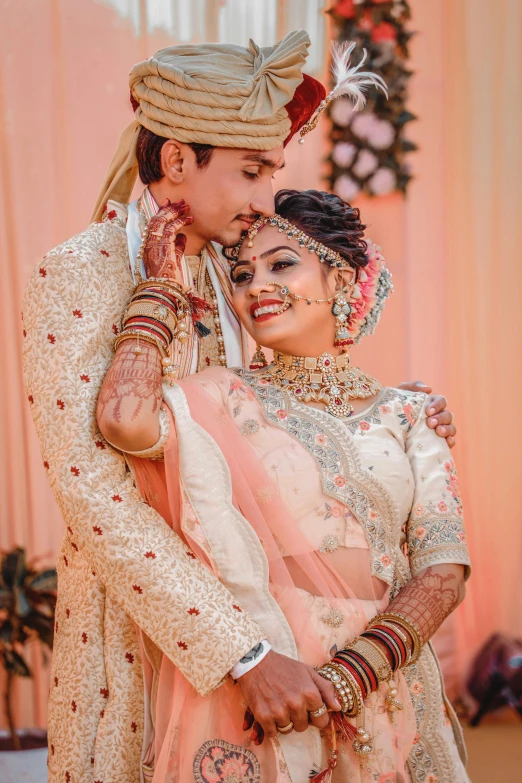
{"points": [[275, 261]]}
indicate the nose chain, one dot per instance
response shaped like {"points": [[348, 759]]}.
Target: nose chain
{"points": [[285, 291]]}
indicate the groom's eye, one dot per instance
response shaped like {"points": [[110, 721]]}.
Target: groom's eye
{"points": [[251, 174]]}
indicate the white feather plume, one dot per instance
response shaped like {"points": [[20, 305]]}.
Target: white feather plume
{"points": [[351, 81]]}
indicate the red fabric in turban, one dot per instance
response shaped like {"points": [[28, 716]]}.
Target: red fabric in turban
{"points": [[306, 99]]}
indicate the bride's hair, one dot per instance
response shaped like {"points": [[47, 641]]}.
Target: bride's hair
{"points": [[328, 219]]}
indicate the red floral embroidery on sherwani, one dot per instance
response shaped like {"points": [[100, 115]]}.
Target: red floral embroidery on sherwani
{"points": [[103, 582]]}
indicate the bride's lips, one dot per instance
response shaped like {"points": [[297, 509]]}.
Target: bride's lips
{"points": [[264, 303]]}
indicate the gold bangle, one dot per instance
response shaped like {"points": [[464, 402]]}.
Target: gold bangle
{"points": [[375, 657], [397, 619], [343, 689], [165, 284], [346, 686], [159, 312], [357, 696], [147, 338]]}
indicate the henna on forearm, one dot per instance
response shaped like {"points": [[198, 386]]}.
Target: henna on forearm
{"points": [[131, 391], [430, 597]]}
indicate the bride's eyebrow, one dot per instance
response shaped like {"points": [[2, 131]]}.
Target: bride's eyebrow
{"points": [[275, 249]]}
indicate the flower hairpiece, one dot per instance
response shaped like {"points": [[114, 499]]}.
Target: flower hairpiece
{"points": [[374, 286]]}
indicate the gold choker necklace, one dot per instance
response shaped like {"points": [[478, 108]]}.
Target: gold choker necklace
{"points": [[327, 379]]}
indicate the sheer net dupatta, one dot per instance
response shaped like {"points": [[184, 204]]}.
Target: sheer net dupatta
{"points": [[216, 493]]}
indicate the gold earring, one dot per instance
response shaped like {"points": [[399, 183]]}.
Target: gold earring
{"points": [[341, 309], [258, 360]]}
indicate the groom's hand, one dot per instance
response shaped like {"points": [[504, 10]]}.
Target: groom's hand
{"points": [[439, 418], [280, 691]]}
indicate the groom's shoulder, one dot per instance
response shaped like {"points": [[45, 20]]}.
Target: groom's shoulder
{"points": [[100, 251], [98, 239]]}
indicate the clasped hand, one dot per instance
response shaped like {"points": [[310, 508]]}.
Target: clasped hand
{"points": [[280, 691]]}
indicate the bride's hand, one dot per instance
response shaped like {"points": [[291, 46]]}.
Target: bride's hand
{"points": [[165, 245]]}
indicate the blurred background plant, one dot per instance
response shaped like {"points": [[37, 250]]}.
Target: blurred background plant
{"points": [[369, 147], [27, 606]]}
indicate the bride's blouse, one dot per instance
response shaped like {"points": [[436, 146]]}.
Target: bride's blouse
{"points": [[380, 481]]}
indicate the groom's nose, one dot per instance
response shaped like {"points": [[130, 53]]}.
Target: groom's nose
{"points": [[263, 201]]}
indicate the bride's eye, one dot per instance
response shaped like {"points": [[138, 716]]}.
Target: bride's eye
{"points": [[240, 277], [283, 263]]}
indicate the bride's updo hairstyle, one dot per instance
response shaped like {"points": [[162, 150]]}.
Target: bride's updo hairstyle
{"points": [[327, 219]]}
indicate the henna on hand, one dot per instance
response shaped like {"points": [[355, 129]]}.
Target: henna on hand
{"points": [[165, 245], [430, 597], [131, 390]]}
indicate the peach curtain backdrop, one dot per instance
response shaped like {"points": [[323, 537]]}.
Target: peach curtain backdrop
{"points": [[454, 321]]}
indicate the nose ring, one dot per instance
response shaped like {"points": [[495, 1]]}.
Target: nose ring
{"points": [[285, 291]]}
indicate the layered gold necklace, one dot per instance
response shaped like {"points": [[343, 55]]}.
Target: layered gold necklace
{"points": [[327, 379]]}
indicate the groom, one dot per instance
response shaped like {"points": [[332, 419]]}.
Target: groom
{"points": [[211, 124]]}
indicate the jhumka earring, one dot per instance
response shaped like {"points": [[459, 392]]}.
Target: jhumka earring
{"points": [[341, 309], [258, 360]]}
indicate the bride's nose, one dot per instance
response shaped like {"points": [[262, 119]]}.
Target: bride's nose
{"points": [[258, 286]]}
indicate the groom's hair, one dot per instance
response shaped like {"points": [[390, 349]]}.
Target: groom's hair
{"points": [[148, 153]]}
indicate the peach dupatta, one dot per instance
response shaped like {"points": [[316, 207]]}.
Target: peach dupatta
{"points": [[214, 490]]}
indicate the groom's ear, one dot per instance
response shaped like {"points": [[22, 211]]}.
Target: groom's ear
{"points": [[172, 161]]}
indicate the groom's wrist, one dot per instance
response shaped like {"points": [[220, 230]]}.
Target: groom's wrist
{"points": [[250, 660]]}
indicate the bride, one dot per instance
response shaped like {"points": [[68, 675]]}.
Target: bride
{"points": [[329, 509]]}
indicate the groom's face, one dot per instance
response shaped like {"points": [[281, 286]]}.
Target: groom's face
{"points": [[228, 194]]}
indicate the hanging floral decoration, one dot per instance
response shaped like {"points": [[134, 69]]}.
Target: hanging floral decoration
{"points": [[369, 146]]}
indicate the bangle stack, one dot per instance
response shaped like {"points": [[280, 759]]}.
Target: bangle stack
{"points": [[158, 313], [392, 629], [347, 690]]}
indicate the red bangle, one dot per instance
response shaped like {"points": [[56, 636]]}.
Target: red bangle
{"points": [[355, 674]]}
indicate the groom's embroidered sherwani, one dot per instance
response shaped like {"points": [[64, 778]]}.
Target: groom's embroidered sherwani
{"points": [[119, 563]]}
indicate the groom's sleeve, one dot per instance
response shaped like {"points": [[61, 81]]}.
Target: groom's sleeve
{"points": [[72, 310]]}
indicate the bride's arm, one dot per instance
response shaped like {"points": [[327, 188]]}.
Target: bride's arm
{"points": [[128, 410], [428, 599], [129, 404], [437, 552]]}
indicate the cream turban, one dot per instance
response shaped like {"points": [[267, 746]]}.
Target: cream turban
{"points": [[217, 94]]}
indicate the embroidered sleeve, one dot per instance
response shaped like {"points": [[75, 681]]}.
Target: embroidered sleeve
{"points": [[435, 530], [72, 310]]}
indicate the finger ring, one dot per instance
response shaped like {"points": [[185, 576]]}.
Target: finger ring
{"points": [[286, 729], [317, 713]]}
